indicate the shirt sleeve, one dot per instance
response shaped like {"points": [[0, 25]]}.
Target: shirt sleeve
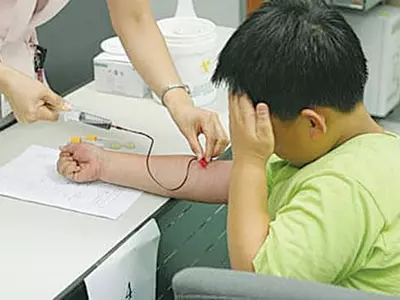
{"points": [[324, 232], [270, 170]]}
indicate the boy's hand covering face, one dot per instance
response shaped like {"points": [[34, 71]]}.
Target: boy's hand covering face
{"points": [[81, 162], [251, 130]]}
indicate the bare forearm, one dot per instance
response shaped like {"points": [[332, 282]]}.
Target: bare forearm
{"points": [[248, 219], [4, 74], [135, 25], [205, 185]]}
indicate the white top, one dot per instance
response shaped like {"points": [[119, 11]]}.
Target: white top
{"points": [[44, 249]]}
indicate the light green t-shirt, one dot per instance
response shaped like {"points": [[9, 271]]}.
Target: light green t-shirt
{"points": [[337, 220]]}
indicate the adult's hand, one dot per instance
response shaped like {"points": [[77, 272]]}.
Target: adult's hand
{"points": [[29, 99], [193, 121]]}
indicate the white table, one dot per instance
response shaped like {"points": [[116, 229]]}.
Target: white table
{"points": [[46, 251]]}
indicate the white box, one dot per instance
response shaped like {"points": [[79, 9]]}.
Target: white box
{"points": [[379, 33], [362, 5], [115, 74], [130, 272]]}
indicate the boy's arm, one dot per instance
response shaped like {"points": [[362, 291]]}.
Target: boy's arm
{"points": [[252, 147], [210, 184], [248, 220]]}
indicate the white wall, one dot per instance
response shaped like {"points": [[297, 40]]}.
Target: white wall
{"points": [[222, 12]]}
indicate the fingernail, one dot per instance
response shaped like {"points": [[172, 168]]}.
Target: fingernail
{"points": [[199, 157], [262, 108]]}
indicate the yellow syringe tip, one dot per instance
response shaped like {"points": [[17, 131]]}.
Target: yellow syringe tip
{"points": [[76, 140], [91, 138]]}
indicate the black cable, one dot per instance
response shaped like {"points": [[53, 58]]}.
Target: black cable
{"points": [[7, 121], [149, 155]]}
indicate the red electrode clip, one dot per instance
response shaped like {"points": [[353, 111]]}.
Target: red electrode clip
{"points": [[203, 163]]}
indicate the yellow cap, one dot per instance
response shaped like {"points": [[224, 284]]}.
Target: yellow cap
{"points": [[76, 140], [115, 146], [130, 145], [91, 138]]}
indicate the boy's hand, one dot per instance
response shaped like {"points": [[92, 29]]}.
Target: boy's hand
{"points": [[251, 130], [81, 162]]}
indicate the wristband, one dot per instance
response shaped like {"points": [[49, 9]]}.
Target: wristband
{"points": [[173, 87]]}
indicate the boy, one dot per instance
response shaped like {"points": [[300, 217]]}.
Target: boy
{"points": [[327, 207]]}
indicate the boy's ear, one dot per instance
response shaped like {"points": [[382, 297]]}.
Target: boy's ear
{"points": [[316, 122]]}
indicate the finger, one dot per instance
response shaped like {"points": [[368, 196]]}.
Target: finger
{"points": [[263, 127], [44, 113], [75, 151], [64, 154], [70, 148], [83, 153], [221, 144], [76, 176], [67, 167], [247, 112], [80, 176], [62, 166], [72, 169], [195, 145], [64, 148], [221, 138], [60, 163], [211, 140], [55, 101], [66, 157]]}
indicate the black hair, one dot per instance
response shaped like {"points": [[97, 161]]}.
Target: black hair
{"points": [[295, 54]]}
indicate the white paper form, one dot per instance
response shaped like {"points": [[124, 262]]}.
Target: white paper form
{"points": [[33, 177]]}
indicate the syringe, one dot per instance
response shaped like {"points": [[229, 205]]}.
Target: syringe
{"points": [[85, 118]]}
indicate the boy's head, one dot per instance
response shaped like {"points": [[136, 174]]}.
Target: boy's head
{"points": [[302, 59]]}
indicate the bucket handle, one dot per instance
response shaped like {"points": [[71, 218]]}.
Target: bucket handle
{"points": [[185, 8]]}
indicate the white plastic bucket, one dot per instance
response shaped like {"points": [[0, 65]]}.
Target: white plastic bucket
{"points": [[192, 44]]}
